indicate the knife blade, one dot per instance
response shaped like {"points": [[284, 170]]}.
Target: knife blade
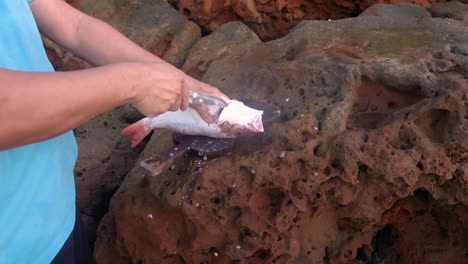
{"points": [[206, 99]]}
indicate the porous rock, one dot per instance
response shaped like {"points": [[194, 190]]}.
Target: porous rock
{"points": [[371, 147]]}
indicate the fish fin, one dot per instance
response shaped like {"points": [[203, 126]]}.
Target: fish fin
{"points": [[137, 131]]}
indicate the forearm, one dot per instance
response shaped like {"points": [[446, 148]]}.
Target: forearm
{"points": [[38, 106]]}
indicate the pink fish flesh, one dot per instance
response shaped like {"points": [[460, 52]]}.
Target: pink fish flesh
{"points": [[235, 120]]}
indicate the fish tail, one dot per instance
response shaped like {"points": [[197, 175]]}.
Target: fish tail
{"points": [[137, 131]]}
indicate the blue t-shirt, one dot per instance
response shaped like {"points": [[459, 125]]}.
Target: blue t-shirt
{"points": [[37, 191]]}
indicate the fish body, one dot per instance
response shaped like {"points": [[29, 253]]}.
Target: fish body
{"points": [[235, 120]]}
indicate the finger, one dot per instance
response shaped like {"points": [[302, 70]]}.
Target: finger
{"points": [[185, 101], [212, 90], [204, 87], [175, 105], [220, 94], [155, 114], [178, 96]]}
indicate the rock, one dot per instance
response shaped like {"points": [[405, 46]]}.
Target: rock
{"points": [[110, 247], [233, 35], [61, 59], [104, 159], [409, 228], [371, 148], [452, 9], [127, 114], [409, 12], [272, 19]]}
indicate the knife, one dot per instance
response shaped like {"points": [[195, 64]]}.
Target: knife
{"points": [[209, 104], [206, 99]]}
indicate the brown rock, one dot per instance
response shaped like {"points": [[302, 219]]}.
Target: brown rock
{"points": [[61, 59], [408, 235], [110, 247], [231, 36], [452, 9], [272, 19], [371, 148], [105, 158]]}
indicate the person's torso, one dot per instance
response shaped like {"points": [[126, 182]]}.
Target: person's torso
{"points": [[37, 192]]}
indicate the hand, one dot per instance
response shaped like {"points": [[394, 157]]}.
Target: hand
{"points": [[159, 87], [196, 85]]}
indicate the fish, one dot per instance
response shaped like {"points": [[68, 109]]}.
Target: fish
{"points": [[235, 120]]}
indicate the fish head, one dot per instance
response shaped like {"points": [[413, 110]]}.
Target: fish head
{"points": [[237, 120]]}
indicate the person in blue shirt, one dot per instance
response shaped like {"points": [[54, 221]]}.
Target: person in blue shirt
{"points": [[40, 107]]}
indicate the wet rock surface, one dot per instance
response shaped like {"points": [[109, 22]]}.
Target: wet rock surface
{"points": [[272, 19], [368, 163]]}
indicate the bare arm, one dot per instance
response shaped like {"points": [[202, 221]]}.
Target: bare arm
{"points": [[38, 106]]}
